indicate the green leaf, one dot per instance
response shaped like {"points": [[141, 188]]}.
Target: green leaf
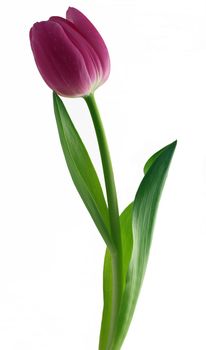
{"points": [[144, 212], [126, 237], [107, 295], [82, 170], [127, 240], [152, 159]]}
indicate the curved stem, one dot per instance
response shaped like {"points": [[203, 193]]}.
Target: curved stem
{"points": [[112, 207]]}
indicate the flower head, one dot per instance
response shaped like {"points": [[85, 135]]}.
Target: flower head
{"points": [[70, 54]]}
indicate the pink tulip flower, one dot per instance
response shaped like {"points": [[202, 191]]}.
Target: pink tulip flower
{"points": [[70, 54]]}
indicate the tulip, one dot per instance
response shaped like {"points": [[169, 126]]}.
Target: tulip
{"points": [[70, 54], [73, 60]]}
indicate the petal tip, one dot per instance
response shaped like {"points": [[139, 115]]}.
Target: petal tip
{"points": [[72, 11]]}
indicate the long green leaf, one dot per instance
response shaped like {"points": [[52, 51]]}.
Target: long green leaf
{"points": [[107, 296], [82, 170], [127, 240], [144, 212], [152, 159]]}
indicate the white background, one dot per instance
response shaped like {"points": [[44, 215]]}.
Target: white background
{"points": [[51, 255]]}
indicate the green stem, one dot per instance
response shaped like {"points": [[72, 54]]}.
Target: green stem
{"points": [[112, 207]]}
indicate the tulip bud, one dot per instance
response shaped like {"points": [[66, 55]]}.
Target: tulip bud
{"points": [[70, 54]]}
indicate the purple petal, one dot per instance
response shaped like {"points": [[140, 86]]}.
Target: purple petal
{"points": [[91, 59], [90, 33], [58, 60]]}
